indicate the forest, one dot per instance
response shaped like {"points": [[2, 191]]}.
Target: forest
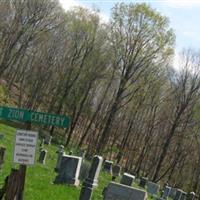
{"points": [[116, 81]]}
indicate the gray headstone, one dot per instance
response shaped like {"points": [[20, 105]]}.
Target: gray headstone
{"points": [[92, 179], [153, 188], [42, 157], [108, 166], [47, 140], [116, 169], [183, 196], [2, 155], [69, 170], [191, 196], [116, 191], [127, 179], [172, 193], [178, 194], [166, 192], [143, 182]]}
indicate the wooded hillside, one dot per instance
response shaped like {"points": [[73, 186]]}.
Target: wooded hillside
{"points": [[115, 80]]}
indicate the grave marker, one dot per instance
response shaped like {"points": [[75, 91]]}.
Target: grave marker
{"points": [[92, 179], [166, 192], [42, 157], [69, 170], [127, 179], [116, 191], [152, 188], [143, 182], [108, 166]]}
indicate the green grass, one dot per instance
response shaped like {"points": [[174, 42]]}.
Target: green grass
{"points": [[39, 178]]}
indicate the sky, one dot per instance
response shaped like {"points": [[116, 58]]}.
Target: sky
{"points": [[184, 16]]}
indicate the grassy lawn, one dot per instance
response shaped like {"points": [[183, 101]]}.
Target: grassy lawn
{"points": [[39, 179]]}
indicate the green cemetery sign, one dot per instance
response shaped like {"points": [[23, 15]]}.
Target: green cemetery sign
{"points": [[34, 117]]}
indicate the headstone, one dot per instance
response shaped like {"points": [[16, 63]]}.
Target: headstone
{"points": [[42, 157], [190, 196], [166, 192], [108, 166], [60, 153], [127, 179], [183, 196], [116, 169], [69, 170], [116, 191], [143, 182], [178, 194], [2, 155], [92, 179], [48, 139], [172, 193], [153, 188]]}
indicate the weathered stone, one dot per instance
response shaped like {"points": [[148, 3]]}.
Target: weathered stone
{"points": [[48, 139], [190, 196], [178, 194], [153, 188], [108, 166], [69, 170], [183, 196], [92, 179], [116, 191], [116, 169], [166, 192], [172, 193], [127, 179], [143, 182], [2, 155], [42, 157]]}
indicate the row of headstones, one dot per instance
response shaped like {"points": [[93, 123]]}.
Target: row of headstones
{"points": [[68, 169], [152, 188]]}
